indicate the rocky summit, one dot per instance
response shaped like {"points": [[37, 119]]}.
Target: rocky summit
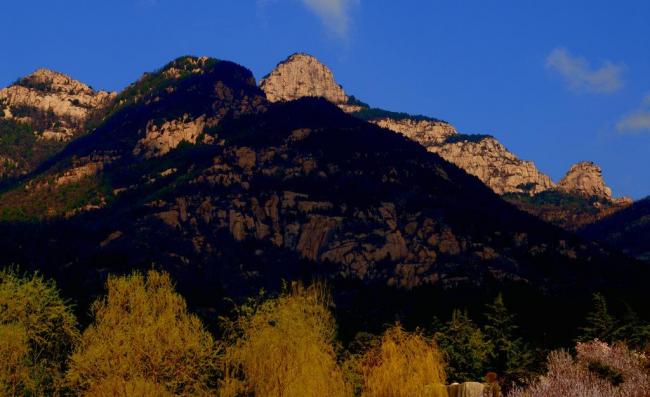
{"points": [[42, 112], [585, 178], [480, 155], [56, 105], [302, 75]]}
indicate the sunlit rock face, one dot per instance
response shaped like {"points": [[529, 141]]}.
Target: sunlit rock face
{"points": [[302, 75], [55, 105], [494, 165], [585, 178]]}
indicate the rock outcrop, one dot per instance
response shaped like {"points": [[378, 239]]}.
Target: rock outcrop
{"points": [[302, 75], [483, 156], [55, 105], [427, 133], [479, 155], [497, 167], [585, 178], [161, 139]]}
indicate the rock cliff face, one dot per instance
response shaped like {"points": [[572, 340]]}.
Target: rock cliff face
{"points": [[55, 105], [585, 178], [302, 75], [40, 114], [481, 156], [485, 157], [425, 132], [497, 167]]}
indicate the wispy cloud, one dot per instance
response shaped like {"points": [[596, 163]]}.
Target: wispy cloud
{"points": [[335, 14], [581, 76], [638, 121]]}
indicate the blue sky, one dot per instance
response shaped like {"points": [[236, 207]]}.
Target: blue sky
{"points": [[556, 81]]}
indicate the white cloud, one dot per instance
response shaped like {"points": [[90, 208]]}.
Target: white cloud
{"points": [[335, 14], [581, 76], [637, 121]]}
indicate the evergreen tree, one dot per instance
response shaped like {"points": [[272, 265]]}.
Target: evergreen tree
{"points": [[632, 330], [465, 347], [600, 324], [510, 356]]}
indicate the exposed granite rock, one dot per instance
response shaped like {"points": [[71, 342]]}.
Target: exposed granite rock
{"points": [[585, 178], [161, 139], [299, 76], [425, 132], [303, 75], [485, 158], [493, 164], [56, 105]]}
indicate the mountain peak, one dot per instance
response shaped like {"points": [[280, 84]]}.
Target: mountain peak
{"points": [[585, 178], [302, 75], [50, 81]]}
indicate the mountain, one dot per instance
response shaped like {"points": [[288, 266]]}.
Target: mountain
{"points": [[39, 114], [194, 171], [627, 230], [581, 197]]}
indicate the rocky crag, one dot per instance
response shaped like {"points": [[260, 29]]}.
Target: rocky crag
{"points": [[42, 112], [480, 155], [195, 172]]}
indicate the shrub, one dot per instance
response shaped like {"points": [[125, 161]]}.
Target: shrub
{"points": [[598, 370], [404, 364], [284, 347], [143, 337], [37, 332]]}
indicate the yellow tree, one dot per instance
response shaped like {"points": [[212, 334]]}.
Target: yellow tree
{"points": [[284, 347], [37, 332], [143, 342], [404, 364]]}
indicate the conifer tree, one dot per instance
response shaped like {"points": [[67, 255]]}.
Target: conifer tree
{"points": [[600, 324], [509, 356], [465, 346]]}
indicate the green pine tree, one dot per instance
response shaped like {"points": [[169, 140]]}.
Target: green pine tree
{"points": [[510, 356], [632, 330], [600, 324], [465, 347]]}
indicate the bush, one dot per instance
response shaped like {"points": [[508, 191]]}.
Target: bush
{"points": [[37, 332], [404, 364], [598, 370], [284, 347], [143, 337]]}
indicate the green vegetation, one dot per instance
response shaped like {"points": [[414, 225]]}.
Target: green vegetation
{"points": [[376, 113], [466, 348], [354, 101], [37, 333], [152, 84], [599, 323], [34, 83], [509, 355], [47, 200], [475, 138]]}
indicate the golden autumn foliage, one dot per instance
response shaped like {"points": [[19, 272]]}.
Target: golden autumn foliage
{"points": [[37, 332], [403, 364], [143, 339], [284, 347]]}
